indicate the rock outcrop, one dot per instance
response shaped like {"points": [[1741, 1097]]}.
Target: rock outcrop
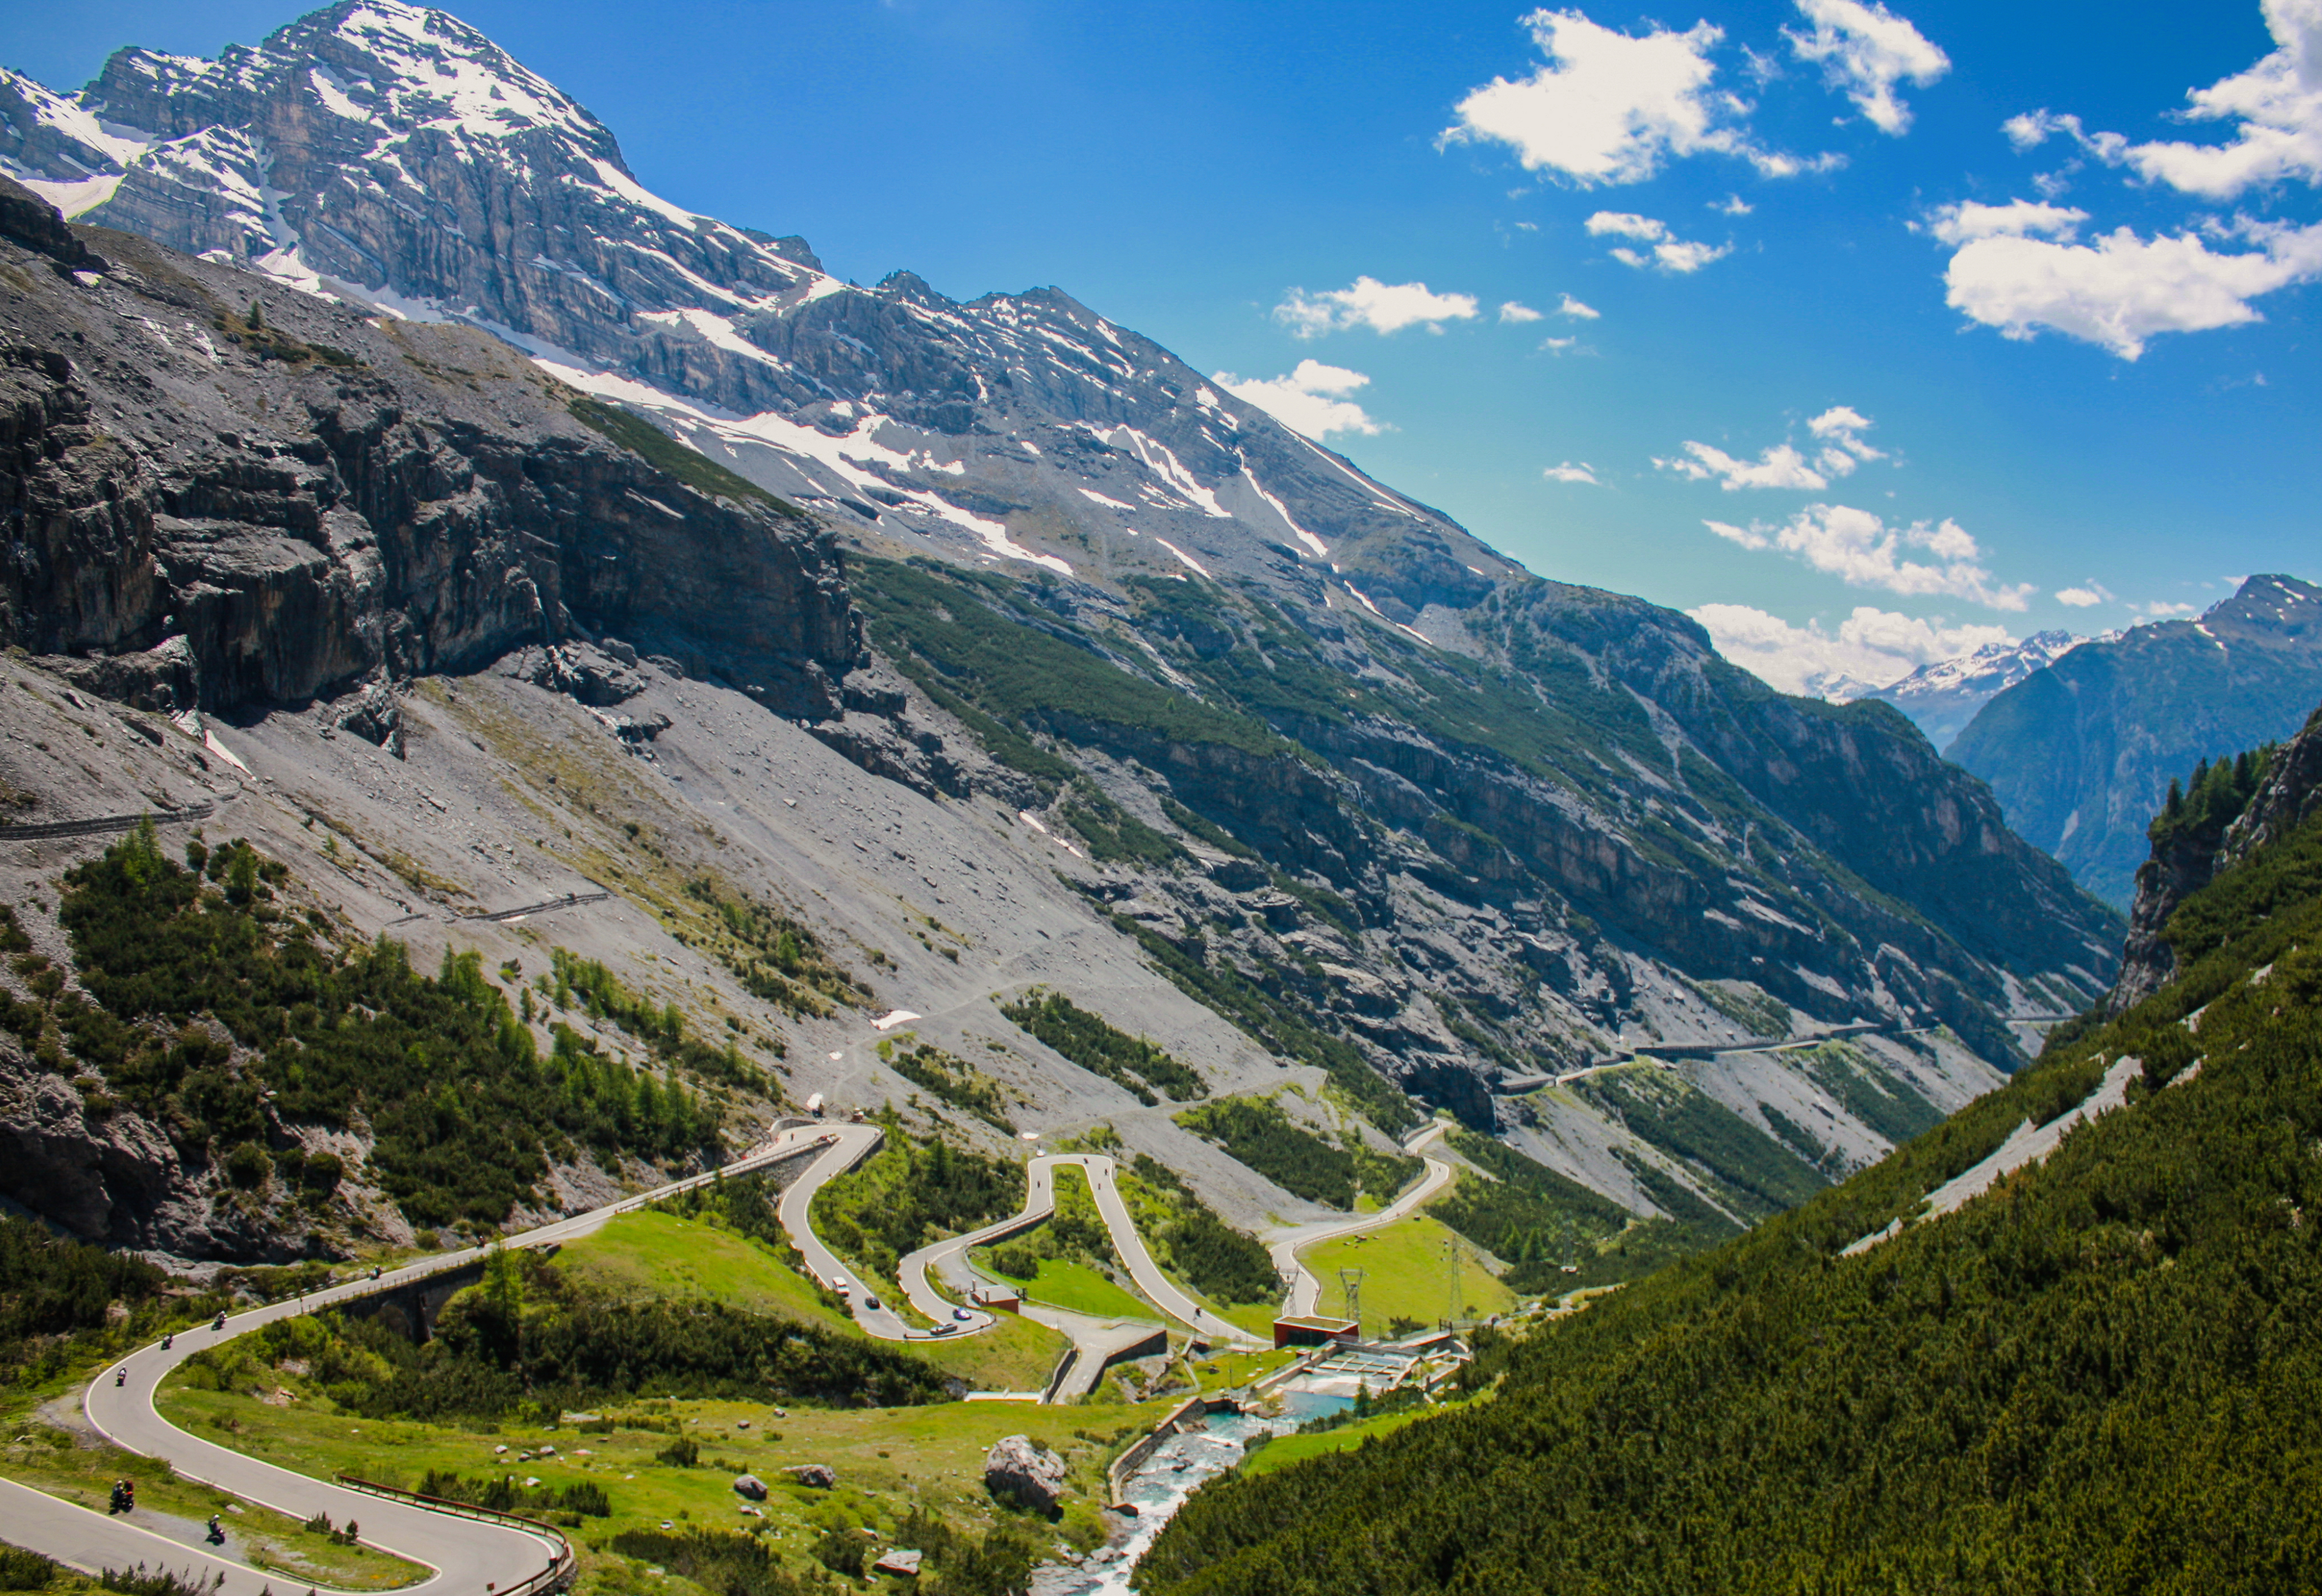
{"points": [[2188, 859], [218, 496], [1019, 1471]]}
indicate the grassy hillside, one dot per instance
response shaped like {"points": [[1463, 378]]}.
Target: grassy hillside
{"points": [[1406, 1277], [2105, 1375]]}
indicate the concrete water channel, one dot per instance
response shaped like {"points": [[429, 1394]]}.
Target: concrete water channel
{"points": [[1170, 1474]]}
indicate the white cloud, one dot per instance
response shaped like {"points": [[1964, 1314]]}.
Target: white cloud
{"points": [[1871, 647], [1626, 224], [1611, 108], [2164, 610], [1383, 307], [1780, 466], [1732, 204], [1862, 550], [1967, 220], [1671, 253], [2033, 128], [1681, 257], [2275, 108], [1568, 473], [1838, 432], [1749, 537], [2021, 267], [1313, 399], [1557, 346], [1840, 428], [2084, 597], [2122, 289], [1513, 311], [1573, 307], [1865, 50]]}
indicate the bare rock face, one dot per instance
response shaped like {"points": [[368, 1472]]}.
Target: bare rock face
{"points": [[2188, 860], [207, 510], [1032, 1477], [76, 1167], [105, 1172]]}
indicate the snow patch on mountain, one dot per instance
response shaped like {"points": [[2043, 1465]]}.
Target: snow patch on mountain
{"points": [[1943, 696]]}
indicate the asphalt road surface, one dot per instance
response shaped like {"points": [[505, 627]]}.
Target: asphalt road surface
{"points": [[472, 1556], [465, 1553], [1305, 1290], [1039, 1201]]}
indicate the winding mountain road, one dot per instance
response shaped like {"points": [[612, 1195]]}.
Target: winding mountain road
{"points": [[1305, 1290], [473, 1555], [466, 1554], [947, 1258]]}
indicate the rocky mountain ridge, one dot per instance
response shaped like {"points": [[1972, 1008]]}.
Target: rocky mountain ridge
{"points": [[1303, 754], [1942, 698], [392, 156], [2081, 754]]}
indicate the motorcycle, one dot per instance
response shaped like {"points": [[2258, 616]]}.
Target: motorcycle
{"points": [[217, 1531], [124, 1497], [167, 1342], [121, 1377], [218, 1323]]}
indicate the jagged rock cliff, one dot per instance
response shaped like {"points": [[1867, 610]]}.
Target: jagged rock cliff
{"points": [[2189, 858], [219, 493]]}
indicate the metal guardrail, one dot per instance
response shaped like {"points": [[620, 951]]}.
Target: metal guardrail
{"points": [[562, 1565], [105, 824]]}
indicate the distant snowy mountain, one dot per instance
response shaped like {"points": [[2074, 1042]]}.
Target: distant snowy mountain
{"points": [[1943, 696], [2081, 755], [391, 156]]}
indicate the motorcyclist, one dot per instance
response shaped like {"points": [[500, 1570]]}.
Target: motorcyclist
{"points": [[217, 1531], [168, 1341], [218, 1323], [120, 1375]]}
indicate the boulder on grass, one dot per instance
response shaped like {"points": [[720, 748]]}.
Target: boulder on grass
{"points": [[1031, 1476], [819, 1475], [750, 1486]]}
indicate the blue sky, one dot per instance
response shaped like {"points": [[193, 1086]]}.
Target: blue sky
{"points": [[1842, 395]]}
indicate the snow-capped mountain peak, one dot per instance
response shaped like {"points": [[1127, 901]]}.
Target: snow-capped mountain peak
{"points": [[1943, 696], [391, 156]]}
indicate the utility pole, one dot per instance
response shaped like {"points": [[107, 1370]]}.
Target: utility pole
{"points": [[1350, 1280], [1451, 1308]]}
